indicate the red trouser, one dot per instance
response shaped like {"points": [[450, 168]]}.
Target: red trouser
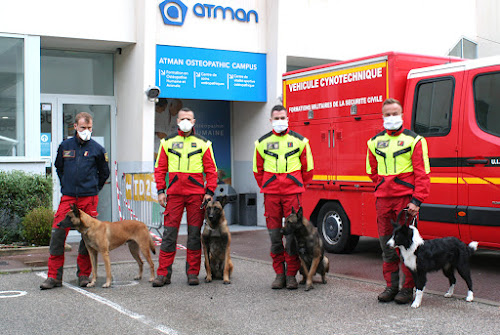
{"points": [[58, 237], [173, 215], [387, 210], [279, 206]]}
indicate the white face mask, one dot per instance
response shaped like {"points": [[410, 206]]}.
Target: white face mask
{"points": [[280, 126], [85, 135], [393, 122], [185, 126]]}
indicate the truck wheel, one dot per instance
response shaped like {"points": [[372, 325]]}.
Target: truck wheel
{"points": [[334, 228]]}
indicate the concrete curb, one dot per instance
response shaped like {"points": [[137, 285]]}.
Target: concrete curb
{"points": [[28, 250]]}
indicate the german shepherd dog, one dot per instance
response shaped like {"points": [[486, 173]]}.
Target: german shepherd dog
{"points": [[102, 237], [310, 247], [421, 257], [216, 241]]}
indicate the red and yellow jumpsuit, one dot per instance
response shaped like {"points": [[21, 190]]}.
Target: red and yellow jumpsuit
{"points": [[282, 165], [185, 159], [398, 162]]}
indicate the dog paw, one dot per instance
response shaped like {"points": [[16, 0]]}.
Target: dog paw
{"points": [[415, 305], [227, 282], [470, 296], [106, 285], [208, 279], [91, 284], [139, 278], [448, 295], [309, 287]]}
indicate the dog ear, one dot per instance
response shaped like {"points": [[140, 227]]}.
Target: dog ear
{"points": [[300, 213], [293, 211], [75, 210]]}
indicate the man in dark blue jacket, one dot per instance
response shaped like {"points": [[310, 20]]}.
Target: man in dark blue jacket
{"points": [[82, 167]]}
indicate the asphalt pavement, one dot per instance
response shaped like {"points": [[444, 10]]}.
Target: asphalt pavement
{"points": [[345, 305]]}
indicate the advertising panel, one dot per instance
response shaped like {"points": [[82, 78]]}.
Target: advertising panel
{"points": [[194, 73]]}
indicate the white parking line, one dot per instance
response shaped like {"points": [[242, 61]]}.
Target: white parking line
{"points": [[142, 318], [12, 294]]}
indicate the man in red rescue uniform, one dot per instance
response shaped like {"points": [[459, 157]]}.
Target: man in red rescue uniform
{"points": [[398, 162], [282, 165], [185, 156]]}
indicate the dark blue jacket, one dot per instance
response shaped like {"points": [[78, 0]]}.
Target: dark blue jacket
{"points": [[82, 167]]}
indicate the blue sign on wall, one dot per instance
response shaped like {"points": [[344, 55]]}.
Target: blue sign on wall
{"points": [[193, 73], [45, 144]]}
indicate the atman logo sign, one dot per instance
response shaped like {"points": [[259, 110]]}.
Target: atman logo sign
{"points": [[174, 12]]}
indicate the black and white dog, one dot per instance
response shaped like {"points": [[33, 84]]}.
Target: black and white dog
{"points": [[421, 257]]}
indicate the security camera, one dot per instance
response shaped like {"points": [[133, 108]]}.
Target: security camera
{"points": [[152, 92]]}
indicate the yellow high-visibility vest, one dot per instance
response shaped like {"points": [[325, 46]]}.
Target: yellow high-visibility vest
{"points": [[185, 154], [282, 153], [393, 153]]}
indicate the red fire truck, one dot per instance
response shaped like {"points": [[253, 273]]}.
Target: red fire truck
{"points": [[454, 104]]}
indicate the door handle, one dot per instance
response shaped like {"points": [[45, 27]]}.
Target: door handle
{"points": [[473, 161]]}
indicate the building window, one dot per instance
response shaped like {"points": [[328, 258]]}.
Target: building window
{"points": [[487, 102], [433, 107], [74, 72], [12, 142]]}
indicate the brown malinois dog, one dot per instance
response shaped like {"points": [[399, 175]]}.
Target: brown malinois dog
{"points": [[310, 247], [216, 241], [103, 236]]}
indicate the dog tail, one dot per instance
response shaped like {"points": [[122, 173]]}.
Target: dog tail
{"points": [[152, 245], [473, 246]]}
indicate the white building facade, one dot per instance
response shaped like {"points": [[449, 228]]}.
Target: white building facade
{"points": [[222, 58]]}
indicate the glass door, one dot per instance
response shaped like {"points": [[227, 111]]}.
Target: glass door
{"points": [[64, 110]]}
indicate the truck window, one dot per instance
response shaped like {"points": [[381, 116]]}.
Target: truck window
{"points": [[487, 102], [433, 106]]}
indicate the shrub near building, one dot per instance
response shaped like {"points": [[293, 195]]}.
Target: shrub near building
{"points": [[20, 193], [37, 226]]}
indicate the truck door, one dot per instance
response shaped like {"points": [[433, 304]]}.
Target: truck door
{"points": [[436, 116], [350, 136], [320, 134], [480, 153]]}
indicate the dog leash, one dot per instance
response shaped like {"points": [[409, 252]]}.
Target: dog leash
{"points": [[204, 204], [414, 221]]}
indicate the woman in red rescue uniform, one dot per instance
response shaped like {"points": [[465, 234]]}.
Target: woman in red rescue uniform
{"points": [[185, 156], [282, 165], [398, 162]]}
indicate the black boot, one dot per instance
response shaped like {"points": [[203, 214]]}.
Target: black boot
{"points": [[279, 282], [405, 296], [161, 281], [388, 294], [50, 283], [291, 283]]}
